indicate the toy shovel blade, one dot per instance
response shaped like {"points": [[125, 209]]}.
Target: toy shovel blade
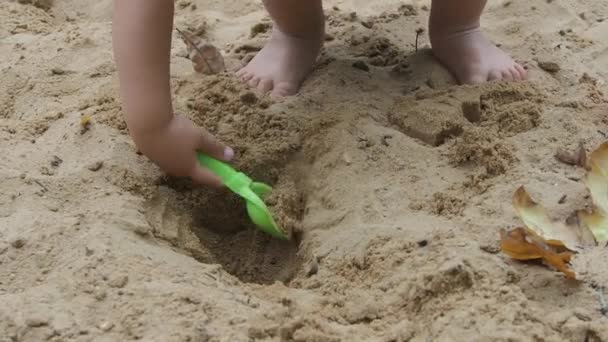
{"points": [[251, 192], [260, 189]]}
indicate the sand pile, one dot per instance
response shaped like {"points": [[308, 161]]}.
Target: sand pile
{"points": [[395, 179]]}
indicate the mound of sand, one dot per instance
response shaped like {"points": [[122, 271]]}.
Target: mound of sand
{"points": [[395, 180]]}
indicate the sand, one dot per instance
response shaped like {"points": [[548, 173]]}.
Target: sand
{"points": [[395, 181]]}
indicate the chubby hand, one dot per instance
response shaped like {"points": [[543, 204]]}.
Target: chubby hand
{"points": [[174, 145]]}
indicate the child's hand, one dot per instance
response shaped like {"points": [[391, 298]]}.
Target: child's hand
{"points": [[174, 147]]}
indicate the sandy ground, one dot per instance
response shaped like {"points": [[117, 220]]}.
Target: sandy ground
{"points": [[398, 179]]}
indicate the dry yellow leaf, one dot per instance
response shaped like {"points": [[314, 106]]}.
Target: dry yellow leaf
{"points": [[597, 183], [535, 217]]}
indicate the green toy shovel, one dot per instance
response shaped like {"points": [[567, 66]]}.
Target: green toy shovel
{"points": [[252, 192]]}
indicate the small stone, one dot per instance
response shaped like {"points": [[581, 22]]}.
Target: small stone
{"points": [[119, 281], [549, 66], [106, 326], [422, 243], [385, 139], [490, 248], [57, 71], [56, 161], [100, 295], [18, 243], [347, 159], [46, 171], [95, 166], [367, 24], [361, 65], [582, 314], [36, 322], [313, 267]]}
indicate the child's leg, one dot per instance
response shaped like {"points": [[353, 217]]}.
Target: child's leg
{"points": [[458, 43], [291, 51]]}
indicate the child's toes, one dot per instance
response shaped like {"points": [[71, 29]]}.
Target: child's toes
{"points": [[523, 73], [253, 82], [265, 85], [241, 73], [515, 74], [246, 76], [494, 75], [284, 89]]}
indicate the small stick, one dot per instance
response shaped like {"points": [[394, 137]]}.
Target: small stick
{"points": [[418, 33], [187, 38], [41, 185], [602, 299]]}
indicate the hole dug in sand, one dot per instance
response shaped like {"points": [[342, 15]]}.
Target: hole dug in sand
{"points": [[213, 227]]}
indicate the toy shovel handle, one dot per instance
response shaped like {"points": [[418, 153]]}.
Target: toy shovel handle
{"points": [[220, 169]]}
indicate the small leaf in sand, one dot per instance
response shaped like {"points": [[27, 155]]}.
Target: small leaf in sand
{"points": [[577, 158], [85, 123], [525, 244], [206, 58]]}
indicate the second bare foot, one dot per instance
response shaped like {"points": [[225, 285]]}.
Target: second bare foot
{"points": [[472, 58], [282, 65]]}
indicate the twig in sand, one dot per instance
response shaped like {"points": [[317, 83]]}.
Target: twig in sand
{"points": [[41, 185], [419, 31], [602, 300]]}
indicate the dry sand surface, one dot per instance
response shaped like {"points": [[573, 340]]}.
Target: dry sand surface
{"points": [[398, 180]]}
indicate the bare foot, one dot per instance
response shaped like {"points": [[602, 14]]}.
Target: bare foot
{"points": [[472, 58], [282, 65]]}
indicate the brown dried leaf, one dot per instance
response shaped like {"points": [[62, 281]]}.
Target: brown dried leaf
{"points": [[524, 244], [206, 58], [576, 158]]}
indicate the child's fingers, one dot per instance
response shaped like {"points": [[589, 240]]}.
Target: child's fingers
{"points": [[205, 177], [210, 145]]}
